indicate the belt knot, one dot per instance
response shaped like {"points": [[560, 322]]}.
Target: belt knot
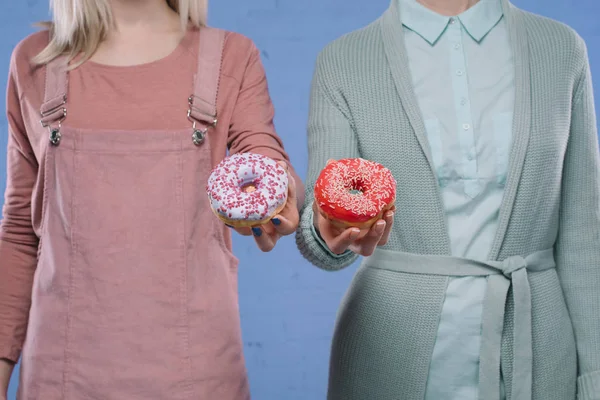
{"points": [[513, 264]]}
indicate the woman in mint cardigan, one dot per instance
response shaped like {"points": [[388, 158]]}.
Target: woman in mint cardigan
{"points": [[484, 283]]}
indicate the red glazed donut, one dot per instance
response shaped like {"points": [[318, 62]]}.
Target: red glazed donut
{"points": [[354, 192]]}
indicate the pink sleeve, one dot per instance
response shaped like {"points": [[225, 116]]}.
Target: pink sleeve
{"points": [[18, 242], [252, 128]]}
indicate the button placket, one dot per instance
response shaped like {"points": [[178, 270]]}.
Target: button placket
{"points": [[463, 110]]}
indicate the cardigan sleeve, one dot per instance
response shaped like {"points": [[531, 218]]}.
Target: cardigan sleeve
{"points": [[578, 243], [330, 136], [18, 241]]}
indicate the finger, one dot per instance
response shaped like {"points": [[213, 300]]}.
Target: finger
{"points": [[283, 163], [291, 180], [340, 227], [333, 229], [264, 241], [389, 221], [337, 240], [363, 232], [339, 244], [290, 210], [330, 161], [244, 231], [327, 230], [337, 230], [292, 196], [369, 242], [284, 223], [268, 228]]}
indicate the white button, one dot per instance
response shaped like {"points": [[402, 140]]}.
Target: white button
{"points": [[459, 72], [463, 101], [452, 20], [466, 127], [457, 46], [471, 155]]}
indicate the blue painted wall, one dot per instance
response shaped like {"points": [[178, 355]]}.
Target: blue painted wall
{"points": [[287, 306]]}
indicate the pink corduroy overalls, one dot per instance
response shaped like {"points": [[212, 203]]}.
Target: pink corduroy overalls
{"points": [[135, 294]]}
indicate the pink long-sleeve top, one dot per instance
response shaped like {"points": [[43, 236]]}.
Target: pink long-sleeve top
{"points": [[149, 96]]}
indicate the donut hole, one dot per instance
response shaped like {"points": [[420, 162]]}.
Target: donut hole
{"points": [[248, 187], [357, 187]]}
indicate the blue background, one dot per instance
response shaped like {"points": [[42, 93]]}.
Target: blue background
{"points": [[287, 306]]}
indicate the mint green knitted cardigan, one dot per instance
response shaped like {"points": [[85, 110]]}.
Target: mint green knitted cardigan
{"points": [[363, 105]]}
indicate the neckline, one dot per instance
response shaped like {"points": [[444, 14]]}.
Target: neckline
{"points": [[182, 48], [395, 51]]}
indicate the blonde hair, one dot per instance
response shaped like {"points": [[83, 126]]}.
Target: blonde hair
{"points": [[78, 26]]}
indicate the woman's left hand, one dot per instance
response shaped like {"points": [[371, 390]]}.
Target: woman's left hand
{"points": [[282, 224]]}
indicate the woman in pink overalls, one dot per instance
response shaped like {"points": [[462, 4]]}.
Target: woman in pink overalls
{"points": [[116, 281]]}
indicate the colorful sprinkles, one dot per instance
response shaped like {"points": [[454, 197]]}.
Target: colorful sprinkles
{"points": [[228, 179], [354, 189]]}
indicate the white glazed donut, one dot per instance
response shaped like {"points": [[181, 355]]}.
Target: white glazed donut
{"points": [[247, 189]]}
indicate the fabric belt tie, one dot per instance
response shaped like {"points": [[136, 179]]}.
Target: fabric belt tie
{"points": [[500, 275]]}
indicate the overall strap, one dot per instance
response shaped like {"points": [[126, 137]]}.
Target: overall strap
{"points": [[203, 102], [53, 109]]}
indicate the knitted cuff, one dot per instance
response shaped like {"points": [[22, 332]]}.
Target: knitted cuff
{"points": [[315, 250]]}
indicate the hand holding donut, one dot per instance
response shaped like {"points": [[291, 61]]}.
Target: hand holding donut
{"points": [[255, 195], [282, 224], [354, 205]]}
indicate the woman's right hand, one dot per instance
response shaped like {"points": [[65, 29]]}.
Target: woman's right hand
{"points": [[6, 368], [359, 241]]}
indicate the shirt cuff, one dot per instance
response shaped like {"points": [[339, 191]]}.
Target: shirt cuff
{"points": [[588, 386]]}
